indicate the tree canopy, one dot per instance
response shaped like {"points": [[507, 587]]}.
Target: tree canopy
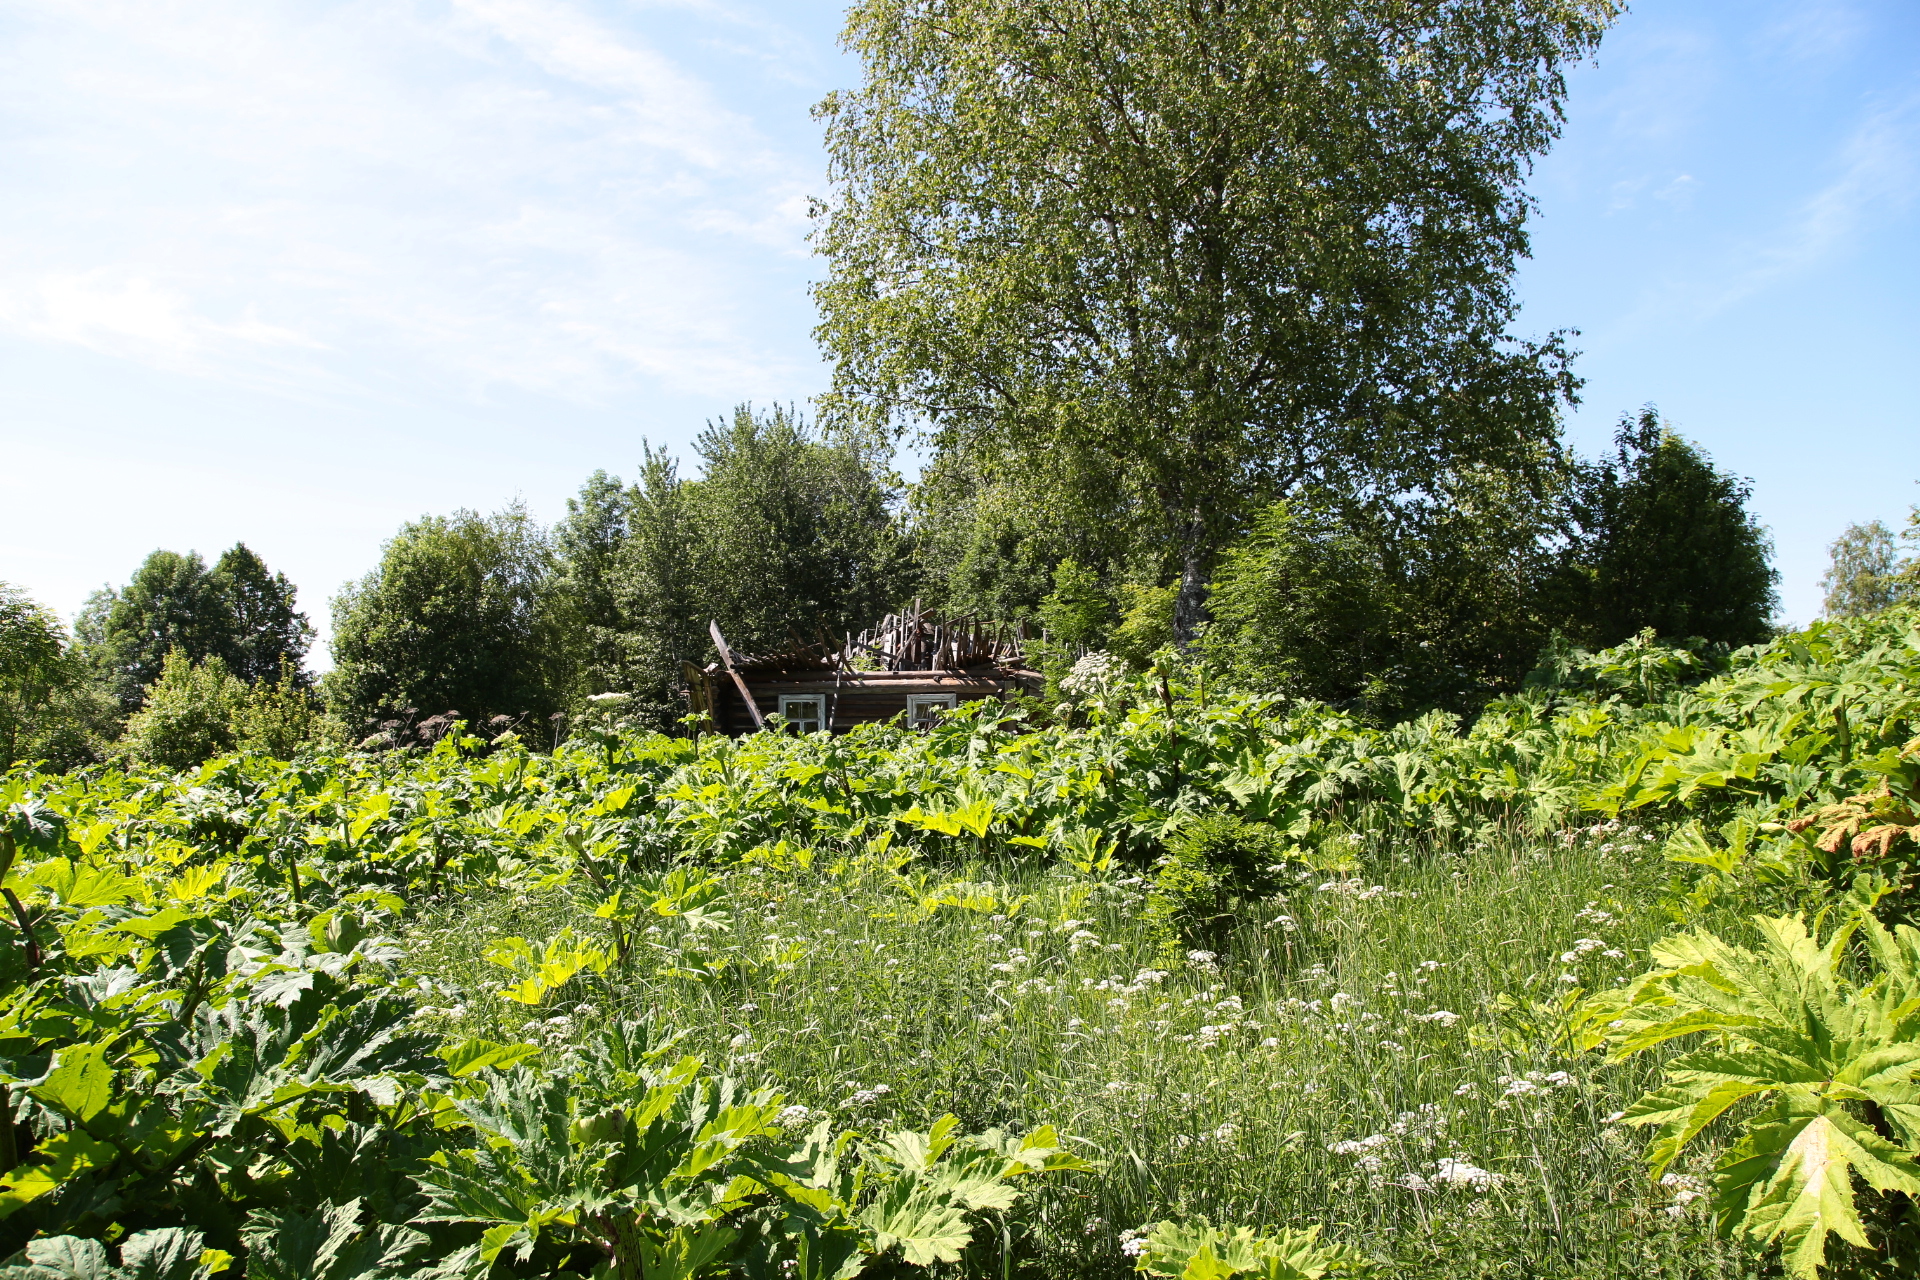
{"points": [[237, 611], [455, 618], [1665, 542], [49, 710], [784, 534], [1228, 250], [1866, 572]]}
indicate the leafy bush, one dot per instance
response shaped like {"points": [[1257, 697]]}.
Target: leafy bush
{"points": [[283, 718], [1214, 869], [189, 714]]}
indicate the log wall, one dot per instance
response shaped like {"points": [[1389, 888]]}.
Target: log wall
{"points": [[852, 700]]}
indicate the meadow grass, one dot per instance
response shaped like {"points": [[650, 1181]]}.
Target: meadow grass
{"points": [[1375, 1053]]}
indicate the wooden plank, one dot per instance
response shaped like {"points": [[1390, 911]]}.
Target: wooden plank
{"points": [[726, 660]]}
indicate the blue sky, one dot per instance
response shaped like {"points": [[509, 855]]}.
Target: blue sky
{"points": [[296, 273]]}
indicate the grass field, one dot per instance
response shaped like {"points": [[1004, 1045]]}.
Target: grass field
{"points": [[1373, 1053]]}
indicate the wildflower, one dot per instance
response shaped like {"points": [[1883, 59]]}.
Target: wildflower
{"points": [[1358, 1146], [1081, 935], [1614, 953], [1285, 922], [1569, 978], [1133, 1241], [1203, 959], [1458, 1173], [1560, 1079], [1271, 1042], [740, 1041], [1428, 965], [1441, 1017], [1392, 1046]]}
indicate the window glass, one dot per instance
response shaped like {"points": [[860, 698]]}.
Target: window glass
{"points": [[801, 714], [923, 707]]}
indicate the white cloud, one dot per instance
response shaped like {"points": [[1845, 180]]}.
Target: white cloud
{"points": [[134, 317], [531, 194]]}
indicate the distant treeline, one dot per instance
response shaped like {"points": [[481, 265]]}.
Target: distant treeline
{"points": [[1390, 606]]}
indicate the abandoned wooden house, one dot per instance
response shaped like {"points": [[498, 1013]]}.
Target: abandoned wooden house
{"points": [[911, 664]]}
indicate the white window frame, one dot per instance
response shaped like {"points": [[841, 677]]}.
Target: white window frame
{"points": [[919, 703], [818, 717]]}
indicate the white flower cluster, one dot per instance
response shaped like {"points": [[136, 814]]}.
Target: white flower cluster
{"points": [[1364, 1150], [1535, 1084], [1439, 1017], [1686, 1189], [1581, 947], [1092, 675], [793, 1117], [861, 1097], [1133, 1241]]}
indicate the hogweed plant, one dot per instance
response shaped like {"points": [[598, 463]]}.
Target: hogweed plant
{"points": [[1815, 1070]]}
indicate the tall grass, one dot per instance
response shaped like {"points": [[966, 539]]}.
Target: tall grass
{"points": [[1373, 1053]]}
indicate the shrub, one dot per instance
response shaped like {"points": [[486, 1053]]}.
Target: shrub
{"points": [[1212, 867], [189, 714], [281, 718]]}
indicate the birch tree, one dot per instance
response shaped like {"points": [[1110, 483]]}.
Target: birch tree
{"points": [[1234, 249]]}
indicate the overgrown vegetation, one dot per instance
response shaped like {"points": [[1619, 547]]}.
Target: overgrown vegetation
{"points": [[654, 1006]]}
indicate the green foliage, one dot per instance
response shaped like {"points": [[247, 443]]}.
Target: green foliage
{"points": [[269, 638], [1146, 623], [284, 1003], [1832, 1060], [1199, 1251], [1865, 572], [1179, 299], [189, 715], [1214, 870], [1395, 610], [1666, 543], [50, 707], [1639, 671], [784, 535], [168, 1253], [284, 717], [237, 612], [990, 535], [1303, 606], [795, 533], [1078, 610], [456, 618]]}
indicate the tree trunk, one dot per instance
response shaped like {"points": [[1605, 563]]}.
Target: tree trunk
{"points": [[1190, 605]]}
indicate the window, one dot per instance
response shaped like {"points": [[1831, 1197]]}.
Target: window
{"points": [[803, 714], [923, 707]]}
